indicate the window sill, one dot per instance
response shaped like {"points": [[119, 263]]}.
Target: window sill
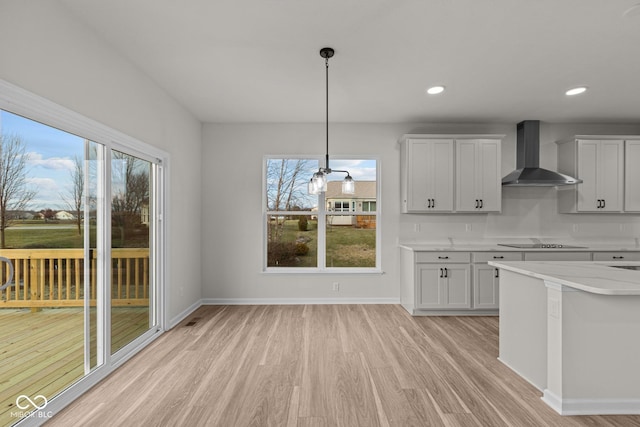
{"points": [[335, 271]]}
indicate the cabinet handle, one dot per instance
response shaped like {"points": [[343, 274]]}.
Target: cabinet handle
{"points": [[477, 203], [498, 257], [618, 257], [443, 257], [433, 203], [604, 203], [598, 204], [446, 272], [441, 272], [481, 203], [497, 273]]}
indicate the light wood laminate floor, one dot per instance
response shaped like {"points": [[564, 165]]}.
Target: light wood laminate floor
{"points": [[320, 365]]}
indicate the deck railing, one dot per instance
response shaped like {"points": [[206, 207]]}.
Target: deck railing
{"points": [[55, 278]]}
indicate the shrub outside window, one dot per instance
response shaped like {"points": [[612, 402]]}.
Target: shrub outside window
{"points": [[325, 232]]}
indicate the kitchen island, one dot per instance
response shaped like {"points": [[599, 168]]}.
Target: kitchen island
{"points": [[572, 329]]}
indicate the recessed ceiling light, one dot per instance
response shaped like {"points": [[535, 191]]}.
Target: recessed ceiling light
{"points": [[435, 90], [576, 90]]}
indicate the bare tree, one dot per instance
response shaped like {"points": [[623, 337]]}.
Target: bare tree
{"points": [[75, 193], [285, 188], [14, 193], [132, 192], [285, 182]]}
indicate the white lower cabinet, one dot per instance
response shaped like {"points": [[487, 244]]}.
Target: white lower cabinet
{"points": [[486, 279], [486, 286], [462, 283], [444, 286], [616, 256]]}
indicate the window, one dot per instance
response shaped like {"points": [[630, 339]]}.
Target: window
{"points": [[325, 232], [341, 206], [368, 206]]}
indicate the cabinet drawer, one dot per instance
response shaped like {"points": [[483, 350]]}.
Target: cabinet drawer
{"points": [[557, 256], [443, 257], [496, 256], [616, 256]]}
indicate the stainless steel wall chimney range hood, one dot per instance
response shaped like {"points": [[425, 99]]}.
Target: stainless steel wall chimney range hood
{"points": [[528, 172]]}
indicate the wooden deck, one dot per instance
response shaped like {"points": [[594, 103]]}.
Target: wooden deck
{"points": [[42, 352]]}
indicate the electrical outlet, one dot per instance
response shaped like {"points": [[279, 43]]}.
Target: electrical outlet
{"points": [[467, 227], [416, 228], [575, 228], [336, 286]]}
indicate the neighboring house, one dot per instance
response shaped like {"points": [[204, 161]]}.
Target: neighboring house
{"points": [[64, 215], [361, 202]]}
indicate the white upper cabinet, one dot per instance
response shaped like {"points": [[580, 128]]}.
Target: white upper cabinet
{"points": [[440, 169], [632, 176], [599, 163], [478, 181], [427, 182]]}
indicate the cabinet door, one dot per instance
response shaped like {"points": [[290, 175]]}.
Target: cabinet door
{"points": [[610, 174], [486, 287], [632, 176], [457, 289], [418, 178], [429, 175], [430, 285], [587, 171], [442, 175], [478, 182], [489, 179], [467, 199]]}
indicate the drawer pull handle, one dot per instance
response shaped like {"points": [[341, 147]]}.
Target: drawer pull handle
{"points": [[441, 272], [446, 272], [618, 257], [498, 257], [497, 273], [443, 257]]}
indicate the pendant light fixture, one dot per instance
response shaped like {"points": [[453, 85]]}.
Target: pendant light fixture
{"points": [[318, 183]]}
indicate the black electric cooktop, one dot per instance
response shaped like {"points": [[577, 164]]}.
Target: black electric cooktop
{"points": [[540, 246]]}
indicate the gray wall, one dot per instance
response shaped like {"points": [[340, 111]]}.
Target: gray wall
{"points": [[46, 51], [232, 226]]}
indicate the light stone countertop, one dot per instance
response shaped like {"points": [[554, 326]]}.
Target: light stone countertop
{"points": [[589, 276], [483, 247]]}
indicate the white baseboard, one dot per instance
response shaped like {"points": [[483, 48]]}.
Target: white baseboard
{"points": [[297, 301], [183, 315], [591, 406]]}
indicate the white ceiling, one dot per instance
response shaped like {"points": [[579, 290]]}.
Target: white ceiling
{"points": [[501, 60]]}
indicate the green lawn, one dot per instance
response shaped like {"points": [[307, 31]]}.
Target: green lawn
{"points": [[62, 236], [346, 246]]}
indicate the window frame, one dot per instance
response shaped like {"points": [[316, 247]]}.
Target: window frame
{"points": [[322, 213]]}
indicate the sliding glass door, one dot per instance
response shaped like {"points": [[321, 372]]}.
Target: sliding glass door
{"points": [[80, 280], [132, 234], [48, 319]]}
